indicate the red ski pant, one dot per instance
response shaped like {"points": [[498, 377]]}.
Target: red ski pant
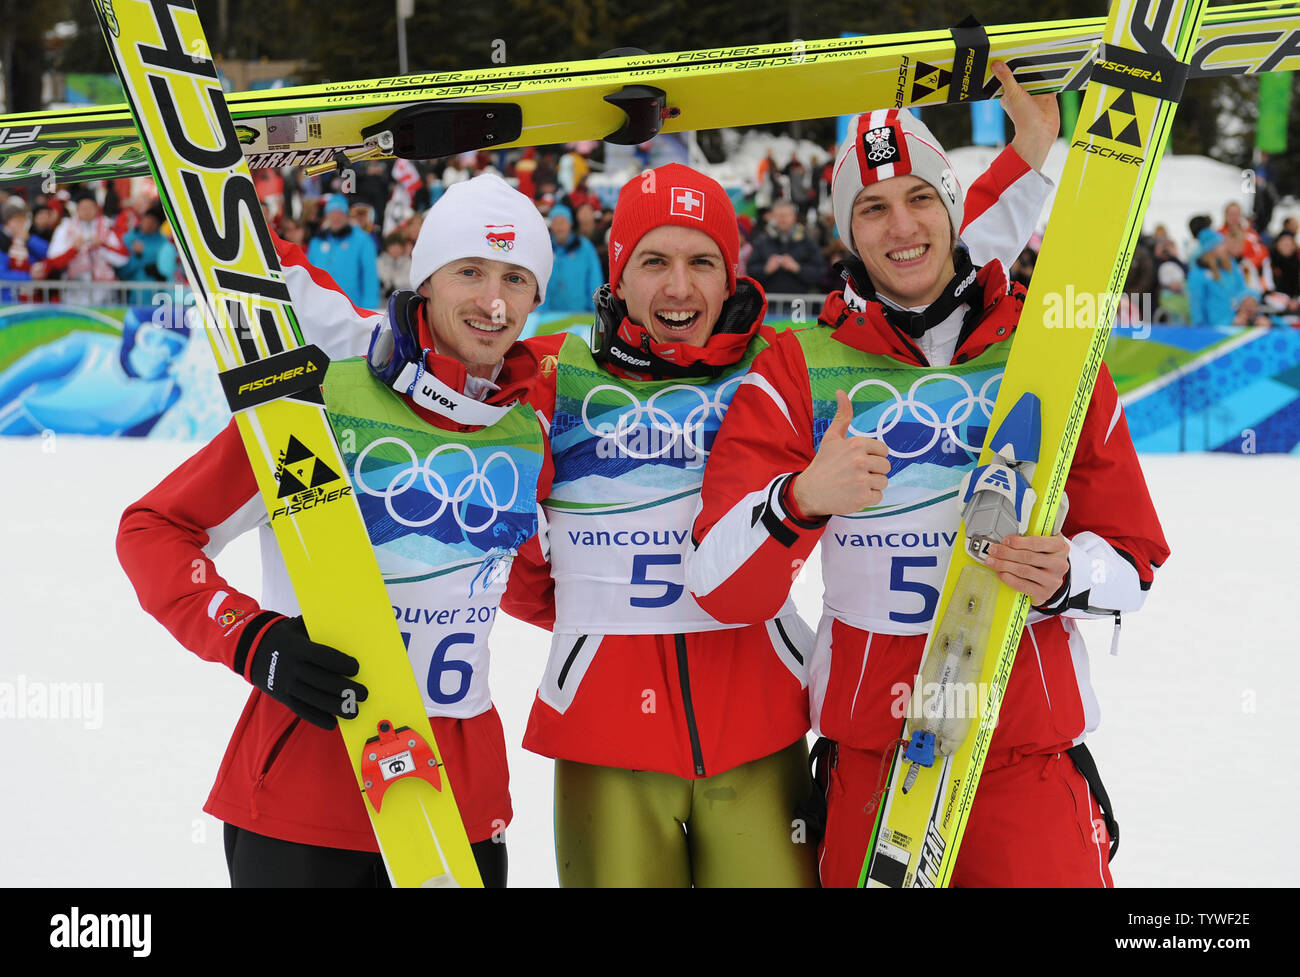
{"points": [[1034, 824]]}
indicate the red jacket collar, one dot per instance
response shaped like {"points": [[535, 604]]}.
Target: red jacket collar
{"points": [[720, 349], [870, 332], [519, 370]]}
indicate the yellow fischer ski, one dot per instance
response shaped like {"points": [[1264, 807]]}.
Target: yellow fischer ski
{"points": [[629, 99], [273, 383], [1122, 130]]}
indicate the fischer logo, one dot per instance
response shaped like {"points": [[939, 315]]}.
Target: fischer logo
{"points": [[302, 477], [627, 358], [1105, 152], [927, 866], [500, 236], [687, 203], [1126, 69], [287, 375]]}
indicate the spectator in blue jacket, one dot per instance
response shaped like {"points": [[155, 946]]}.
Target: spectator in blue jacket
{"points": [[152, 256], [577, 273], [348, 254], [1214, 282]]}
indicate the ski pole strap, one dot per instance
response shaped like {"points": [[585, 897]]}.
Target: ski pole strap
{"points": [[1158, 74], [1087, 766], [969, 61]]}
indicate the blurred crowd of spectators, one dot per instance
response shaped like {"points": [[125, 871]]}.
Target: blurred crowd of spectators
{"points": [[85, 234], [1232, 274], [360, 226]]}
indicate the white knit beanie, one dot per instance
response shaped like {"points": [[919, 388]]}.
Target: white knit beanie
{"points": [[483, 218], [884, 144]]}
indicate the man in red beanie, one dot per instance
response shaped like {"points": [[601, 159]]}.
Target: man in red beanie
{"points": [[679, 740]]}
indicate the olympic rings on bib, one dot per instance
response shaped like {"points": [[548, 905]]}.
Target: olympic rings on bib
{"points": [[435, 485], [690, 429], [919, 412]]}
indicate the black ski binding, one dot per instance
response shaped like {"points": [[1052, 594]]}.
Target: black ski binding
{"points": [[646, 108], [433, 129]]}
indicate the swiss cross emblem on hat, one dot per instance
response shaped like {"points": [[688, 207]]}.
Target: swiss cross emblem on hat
{"points": [[880, 146], [686, 202]]}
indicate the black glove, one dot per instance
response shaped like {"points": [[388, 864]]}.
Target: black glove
{"points": [[313, 680]]}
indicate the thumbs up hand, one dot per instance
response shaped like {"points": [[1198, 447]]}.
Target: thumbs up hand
{"points": [[847, 475]]}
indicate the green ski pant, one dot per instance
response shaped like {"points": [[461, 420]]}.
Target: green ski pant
{"points": [[617, 827]]}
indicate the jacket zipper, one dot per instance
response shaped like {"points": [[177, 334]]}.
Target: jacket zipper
{"points": [[788, 643], [684, 674], [267, 764], [568, 662]]}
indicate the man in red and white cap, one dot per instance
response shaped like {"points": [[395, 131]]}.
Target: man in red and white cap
{"points": [[679, 739], [856, 434]]}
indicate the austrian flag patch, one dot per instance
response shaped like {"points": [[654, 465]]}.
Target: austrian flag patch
{"points": [[880, 146], [500, 236]]}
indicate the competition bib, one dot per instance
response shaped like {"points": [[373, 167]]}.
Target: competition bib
{"points": [[446, 512], [883, 568], [629, 461]]}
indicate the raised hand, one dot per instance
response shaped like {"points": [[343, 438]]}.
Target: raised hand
{"points": [[1036, 118]]}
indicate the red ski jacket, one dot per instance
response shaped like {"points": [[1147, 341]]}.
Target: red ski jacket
{"points": [[699, 703], [282, 776], [749, 535]]}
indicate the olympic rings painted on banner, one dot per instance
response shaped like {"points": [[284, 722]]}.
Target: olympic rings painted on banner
{"points": [[691, 427], [437, 487], [922, 413]]}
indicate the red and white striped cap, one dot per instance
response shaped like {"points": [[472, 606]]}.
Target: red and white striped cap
{"points": [[882, 145]]}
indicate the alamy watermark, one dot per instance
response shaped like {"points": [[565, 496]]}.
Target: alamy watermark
{"points": [[946, 701], [31, 699], [1133, 312]]}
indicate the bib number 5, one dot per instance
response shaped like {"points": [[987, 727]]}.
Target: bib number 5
{"points": [[641, 565], [898, 583]]}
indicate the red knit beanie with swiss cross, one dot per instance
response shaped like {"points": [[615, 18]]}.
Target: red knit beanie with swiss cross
{"points": [[673, 194]]}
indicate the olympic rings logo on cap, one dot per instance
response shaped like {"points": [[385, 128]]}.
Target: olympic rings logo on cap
{"points": [[919, 412], [690, 431], [476, 483], [501, 237]]}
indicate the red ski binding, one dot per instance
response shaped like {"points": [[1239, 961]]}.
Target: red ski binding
{"points": [[395, 754]]}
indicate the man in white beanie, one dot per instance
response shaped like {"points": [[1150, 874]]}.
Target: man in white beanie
{"points": [[447, 460], [857, 434]]}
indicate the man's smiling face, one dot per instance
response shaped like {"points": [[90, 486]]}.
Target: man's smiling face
{"points": [[903, 234], [675, 284]]}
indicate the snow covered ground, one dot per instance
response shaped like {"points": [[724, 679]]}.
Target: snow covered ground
{"points": [[109, 793]]}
